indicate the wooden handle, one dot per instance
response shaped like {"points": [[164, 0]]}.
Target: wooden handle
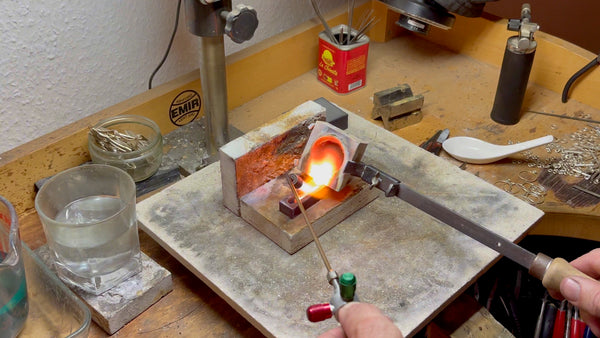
{"points": [[557, 271]]}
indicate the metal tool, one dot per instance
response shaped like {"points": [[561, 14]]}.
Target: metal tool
{"points": [[347, 35], [211, 19], [116, 141], [564, 116], [516, 66], [577, 325], [549, 271], [323, 21], [560, 320], [363, 28], [587, 191], [434, 144], [344, 287], [569, 317], [549, 320], [540, 321], [350, 17]]}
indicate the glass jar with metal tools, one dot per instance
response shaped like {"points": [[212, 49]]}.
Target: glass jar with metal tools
{"points": [[130, 142]]}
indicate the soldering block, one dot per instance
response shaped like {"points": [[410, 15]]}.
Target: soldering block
{"points": [[260, 208], [116, 307], [265, 153]]}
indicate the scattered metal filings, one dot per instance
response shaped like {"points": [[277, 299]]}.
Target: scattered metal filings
{"points": [[116, 141], [578, 155]]}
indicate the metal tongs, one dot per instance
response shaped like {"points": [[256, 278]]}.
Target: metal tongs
{"points": [[550, 271]]}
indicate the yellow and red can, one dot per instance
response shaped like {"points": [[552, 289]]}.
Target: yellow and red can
{"points": [[343, 65]]}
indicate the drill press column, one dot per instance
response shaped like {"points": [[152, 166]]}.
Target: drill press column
{"points": [[210, 19]]}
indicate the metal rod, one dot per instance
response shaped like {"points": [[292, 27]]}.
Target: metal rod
{"points": [[586, 191], [312, 230], [564, 116], [365, 29], [350, 15], [323, 21], [214, 88]]}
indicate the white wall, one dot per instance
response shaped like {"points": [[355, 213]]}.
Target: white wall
{"points": [[61, 60]]}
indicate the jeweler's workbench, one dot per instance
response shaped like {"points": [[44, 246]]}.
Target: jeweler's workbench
{"points": [[458, 90]]}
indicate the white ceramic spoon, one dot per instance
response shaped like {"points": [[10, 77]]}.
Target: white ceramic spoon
{"points": [[472, 150]]}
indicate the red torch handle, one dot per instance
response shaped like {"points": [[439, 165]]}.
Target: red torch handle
{"points": [[319, 312]]}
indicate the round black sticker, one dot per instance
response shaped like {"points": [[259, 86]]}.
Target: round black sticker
{"points": [[185, 107]]}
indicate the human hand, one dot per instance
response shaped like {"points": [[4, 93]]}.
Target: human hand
{"points": [[362, 320], [583, 292]]}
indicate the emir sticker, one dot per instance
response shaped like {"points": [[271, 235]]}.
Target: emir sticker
{"points": [[185, 108]]}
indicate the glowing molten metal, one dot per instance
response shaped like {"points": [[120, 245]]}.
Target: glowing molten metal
{"points": [[325, 161]]}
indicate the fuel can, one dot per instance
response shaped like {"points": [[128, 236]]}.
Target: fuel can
{"points": [[343, 63]]}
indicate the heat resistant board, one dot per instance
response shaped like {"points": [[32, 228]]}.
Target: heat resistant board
{"points": [[407, 263]]}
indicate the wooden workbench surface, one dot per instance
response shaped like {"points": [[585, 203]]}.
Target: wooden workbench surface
{"points": [[459, 92]]}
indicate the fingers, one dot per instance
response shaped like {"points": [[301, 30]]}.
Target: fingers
{"points": [[366, 320], [555, 294], [585, 294], [589, 263], [337, 332]]}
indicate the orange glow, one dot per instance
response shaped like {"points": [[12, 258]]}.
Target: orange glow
{"points": [[325, 161], [307, 188], [321, 172]]}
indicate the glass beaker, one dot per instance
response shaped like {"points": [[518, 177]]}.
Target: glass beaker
{"points": [[88, 214], [13, 288]]}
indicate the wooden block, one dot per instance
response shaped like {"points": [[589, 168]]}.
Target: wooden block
{"points": [[261, 209], [464, 318], [265, 152], [482, 324], [115, 307]]}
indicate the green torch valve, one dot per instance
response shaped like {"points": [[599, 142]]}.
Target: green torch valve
{"points": [[347, 286]]}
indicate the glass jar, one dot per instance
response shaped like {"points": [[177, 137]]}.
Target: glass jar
{"points": [[142, 159]]}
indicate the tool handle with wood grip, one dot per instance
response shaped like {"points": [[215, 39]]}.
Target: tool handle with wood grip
{"points": [[552, 271]]}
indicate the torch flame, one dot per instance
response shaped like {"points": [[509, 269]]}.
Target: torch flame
{"points": [[325, 161], [321, 172]]}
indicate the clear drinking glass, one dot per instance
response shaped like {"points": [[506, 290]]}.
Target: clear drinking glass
{"points": [[13, 288], [88, 215]]}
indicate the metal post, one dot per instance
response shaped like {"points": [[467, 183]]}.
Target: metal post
{"points": [[214, 87]]}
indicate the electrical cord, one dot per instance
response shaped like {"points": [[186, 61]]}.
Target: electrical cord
{"points": [[578, 74], [168, 47]]}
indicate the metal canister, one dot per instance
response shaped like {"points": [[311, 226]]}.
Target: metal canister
{"points": [[342, 64]]}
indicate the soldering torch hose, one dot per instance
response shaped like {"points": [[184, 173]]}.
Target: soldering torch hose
{"points": [[579, 73]]}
